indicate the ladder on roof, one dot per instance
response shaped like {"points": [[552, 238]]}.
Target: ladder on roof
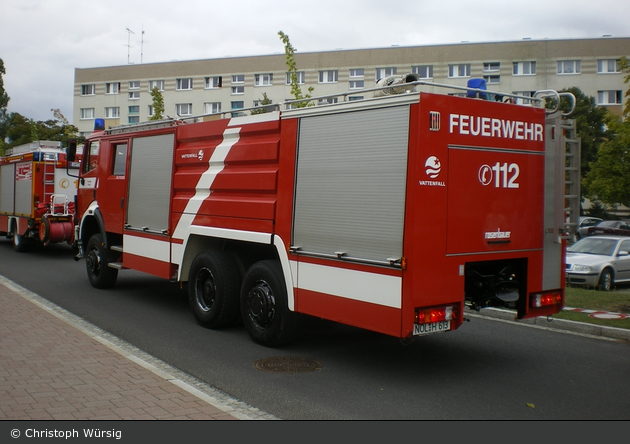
{"points": [[572, 154]]}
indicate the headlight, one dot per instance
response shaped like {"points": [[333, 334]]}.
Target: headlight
{"points": [[581, 268]]}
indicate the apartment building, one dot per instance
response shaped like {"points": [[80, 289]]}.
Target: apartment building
{"points": [[121, 94]]}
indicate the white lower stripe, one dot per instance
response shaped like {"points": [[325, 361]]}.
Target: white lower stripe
{"points": [[149, 248], [351, 284]]}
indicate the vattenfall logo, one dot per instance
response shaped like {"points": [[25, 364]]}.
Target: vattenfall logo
{"points": [[432, 168]]}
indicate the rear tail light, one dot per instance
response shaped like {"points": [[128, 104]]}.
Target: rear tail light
{"points": [[545, 299], [431, 315]]}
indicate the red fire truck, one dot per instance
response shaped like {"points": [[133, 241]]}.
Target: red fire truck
{"points": [[37, 193], [391, 214]]}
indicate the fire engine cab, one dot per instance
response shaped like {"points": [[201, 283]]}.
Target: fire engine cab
{"points": [[37, 191], [394, 213]]}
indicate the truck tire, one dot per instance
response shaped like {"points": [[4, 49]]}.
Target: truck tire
{"points": [[96, 258], [213, 289], [264, 305], [19, 244]]}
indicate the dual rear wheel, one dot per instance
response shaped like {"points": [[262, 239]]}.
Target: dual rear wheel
{"points": [[217, 295]]}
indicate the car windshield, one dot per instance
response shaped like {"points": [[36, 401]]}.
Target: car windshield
{"points": [[592, 245], [607, 223]]}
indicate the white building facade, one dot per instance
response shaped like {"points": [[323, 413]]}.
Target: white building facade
{"points": [[121, 94]]}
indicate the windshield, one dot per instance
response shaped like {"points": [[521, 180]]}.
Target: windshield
{"points": [[607, 223], [592, 245]]}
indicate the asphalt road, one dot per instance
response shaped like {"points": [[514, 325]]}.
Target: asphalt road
{"points": [[487, 369]]}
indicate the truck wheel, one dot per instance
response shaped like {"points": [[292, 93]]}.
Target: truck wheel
{"points": [[264, 305], [96, 258], [19, 244], [606, 280], [213, 286]]}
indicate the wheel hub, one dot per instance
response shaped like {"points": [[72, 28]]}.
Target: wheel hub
{"points": [[206, 289], [262, 304], [93, 261]]}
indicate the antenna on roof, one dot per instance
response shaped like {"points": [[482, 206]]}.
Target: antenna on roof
{"points": [[142, 44], [129, 32]]}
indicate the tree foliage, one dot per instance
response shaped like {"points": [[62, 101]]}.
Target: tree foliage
{"points": [[590, 122], [296, 90], [4, 102], [263, 109], [158, 104], [608, 179], [20, 130]]}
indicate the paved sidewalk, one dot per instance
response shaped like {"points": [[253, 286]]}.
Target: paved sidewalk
{"points": [[55, 366]]}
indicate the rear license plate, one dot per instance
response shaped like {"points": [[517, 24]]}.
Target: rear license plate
{"points": [[436, 327]]}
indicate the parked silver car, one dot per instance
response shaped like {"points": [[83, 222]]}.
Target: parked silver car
{"points": [[599, 261], [584, 223]]}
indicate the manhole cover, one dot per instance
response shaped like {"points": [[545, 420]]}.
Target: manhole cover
{"points": [[287, 364]]}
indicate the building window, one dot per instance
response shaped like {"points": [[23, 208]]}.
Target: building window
{"points": [[357, 76], [159, 84], [237, 105], [134, 109], [238, 78], [492, 79], [357, 84], [150, 111], [526, 94], [329, 76], [328, 101], [524, 68], [112, 113], [459, 70], [607, 66], [87, 90], [237, 90], [423, 71], [269, 106], [112, 88], [211, 107], [183, 109], [357, 73], [300, 77], [214, 82], [355, 98], [87, 113], [491, 67], [133, 119], [184, 84], [569, 66], [134, 84], [263, 79], [609, 97], [381, 73], [134, 95]]}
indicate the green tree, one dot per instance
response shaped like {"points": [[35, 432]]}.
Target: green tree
{"points": [[158, 104], [263, 109], [296, 90], [608, 179], [4, 102], [21, 130], [591, 126]]}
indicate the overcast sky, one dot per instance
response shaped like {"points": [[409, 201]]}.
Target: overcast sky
{"points": [[43, 41]]}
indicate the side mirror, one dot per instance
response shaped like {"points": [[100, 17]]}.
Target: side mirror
{"points": [[71, 152]]}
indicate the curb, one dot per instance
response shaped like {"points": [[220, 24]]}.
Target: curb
{"points": [[555, 324]]}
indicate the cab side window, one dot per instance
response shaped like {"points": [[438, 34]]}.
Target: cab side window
{"points": [[90, 156], [120, 159]]}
